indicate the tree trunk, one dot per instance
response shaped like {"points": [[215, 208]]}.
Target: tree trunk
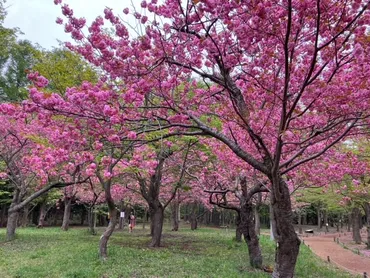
{"points": [[175, 215], [257, 220], [272, 224], [83, 216], [238, 234], [41, 221], [356, 225], [193, 222], [349, 222], [193, 217], [318, 219], [287, 240], [2, 215], [186, 216], [156, 217], [300, 223], [250, 235], [91, 219], [151, 225], [103, 244], [24, 219], [55, 218], [151, 195], [367, 212], [67, 213], [304, 218], [326, 221], [11, 224]]}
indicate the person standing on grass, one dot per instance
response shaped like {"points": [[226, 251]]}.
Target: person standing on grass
{"points": [[131, 221]]}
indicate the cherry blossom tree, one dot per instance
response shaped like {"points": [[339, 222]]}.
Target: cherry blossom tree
{"points": [[90, 195], [47, 202], [336, 172], [286, 81], [68, 196], [355, 192], [160, 171], [232, 186], [94, 114], [36, 158]]}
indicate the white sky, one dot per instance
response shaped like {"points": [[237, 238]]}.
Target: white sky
{"points": [[36, 18]]}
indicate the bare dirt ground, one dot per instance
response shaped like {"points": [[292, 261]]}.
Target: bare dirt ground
{"points": [[323, 245]]}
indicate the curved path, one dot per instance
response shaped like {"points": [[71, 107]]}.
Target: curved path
{"points": [[324, 246]]}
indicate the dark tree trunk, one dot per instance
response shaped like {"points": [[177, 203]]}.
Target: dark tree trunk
{"points": [[102, 220], [91, 219], [156, 217], [55, 218], [319, 219], [326, 221], [247, 225], [206, 217], [151, 227], [11, 224], [349, 222], [257, 221], [367, 212], [35, 217], [83, 216], [24, 219], [288, 242], [2, 215], [175, 215], [41, 222], [193, 222], [239, 232], [67, 213], [186, 216], [193, 217], [150, 191], [356, 225], [304, 218], [250, 236]]}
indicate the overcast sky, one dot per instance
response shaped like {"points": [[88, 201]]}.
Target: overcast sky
{"points": [[36, 18]]}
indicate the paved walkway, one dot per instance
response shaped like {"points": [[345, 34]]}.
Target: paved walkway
{"points": [[324, 246]]}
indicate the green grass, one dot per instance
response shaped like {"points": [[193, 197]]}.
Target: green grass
{"points": [[206, 252]]}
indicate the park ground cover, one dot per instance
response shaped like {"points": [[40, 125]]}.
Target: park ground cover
{"points": [[206, 252]]}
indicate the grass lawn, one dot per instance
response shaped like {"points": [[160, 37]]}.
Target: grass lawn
{"points": [[206, 252]]}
